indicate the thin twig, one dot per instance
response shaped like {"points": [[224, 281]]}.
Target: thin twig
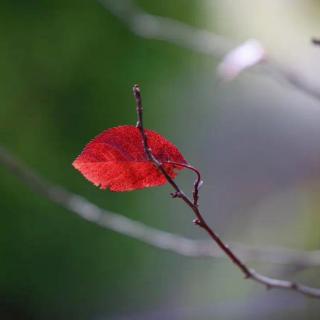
{"points": [[151, 236], [200, 221], [197, 183], [150, 26]]}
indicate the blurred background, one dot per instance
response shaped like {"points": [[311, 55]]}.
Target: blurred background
{"points": [[66, 73]]}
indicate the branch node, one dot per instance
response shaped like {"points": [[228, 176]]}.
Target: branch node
{"points": [[197, 222], [176, 194]]}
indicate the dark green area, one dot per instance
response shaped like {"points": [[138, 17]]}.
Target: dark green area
{"points": [[67, 69]]}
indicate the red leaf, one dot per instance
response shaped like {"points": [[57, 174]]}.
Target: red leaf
{"points": [[116, 159]]}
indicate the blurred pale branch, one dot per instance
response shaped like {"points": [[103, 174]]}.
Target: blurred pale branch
{"points": [[150, 26], [155, 27], [149, 235]]}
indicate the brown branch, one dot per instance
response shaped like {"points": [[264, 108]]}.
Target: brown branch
{"points": [[150, 26], [200, 221]]}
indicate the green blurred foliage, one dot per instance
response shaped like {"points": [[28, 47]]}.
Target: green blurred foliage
{"points": [[67, 69], [66, 72]]}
